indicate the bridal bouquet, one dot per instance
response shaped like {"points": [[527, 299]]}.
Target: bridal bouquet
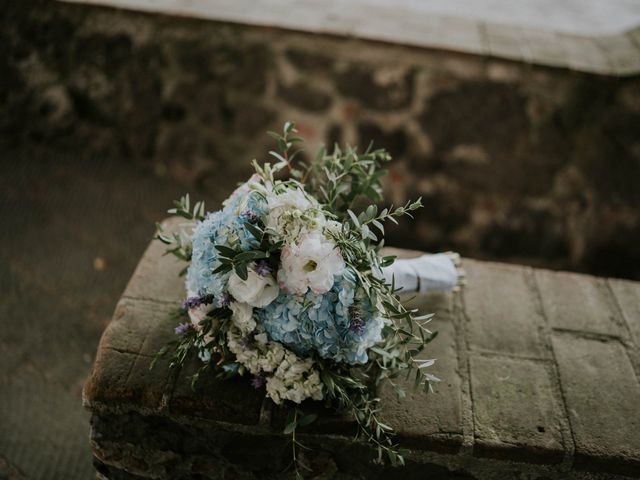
{"points": [[286, 286]]}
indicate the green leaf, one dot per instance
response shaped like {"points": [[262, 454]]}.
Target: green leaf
{"points": [[278, 156], [307, 419], [274, 135], [225, 267], [354, 219], [249, 256], [291, 426], [241, 271], [226, 251], [328, 381]]}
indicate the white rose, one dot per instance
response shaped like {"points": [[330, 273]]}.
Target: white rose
{"points": [[242, 316], [257, 290], [310, 264]]}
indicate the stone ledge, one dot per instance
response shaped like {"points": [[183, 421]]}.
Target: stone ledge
{"points": [[552, 406], [601, 51]]}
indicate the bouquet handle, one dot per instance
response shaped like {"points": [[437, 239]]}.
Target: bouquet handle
{"points": [[427, 273]]}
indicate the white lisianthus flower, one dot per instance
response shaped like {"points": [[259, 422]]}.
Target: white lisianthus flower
{"points": [[242, 316], [257, 290], [310, 263]]}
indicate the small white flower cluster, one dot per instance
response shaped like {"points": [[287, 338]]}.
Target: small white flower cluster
{"points": [[288, 376], [291, 214], [295, 380]]}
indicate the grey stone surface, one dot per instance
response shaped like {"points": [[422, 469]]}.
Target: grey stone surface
{"points": [[577, 302], [234, 401], [627, 295], [140, 326], [144, 283], [433, 421], [602, 396], [441, 24], [623, 53], [543, 47], [504, 318], [504, 41], [516, 413], [584, 52]]}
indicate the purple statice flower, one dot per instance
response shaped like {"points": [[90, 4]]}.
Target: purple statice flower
{"points": [[356, 322], [225, 300], [250, 216], [195, 302], [258, 382], [263, 268], [183, 328]]}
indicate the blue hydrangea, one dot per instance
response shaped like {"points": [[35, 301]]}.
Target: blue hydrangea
{"points": [[322, 323], [223, 227]]}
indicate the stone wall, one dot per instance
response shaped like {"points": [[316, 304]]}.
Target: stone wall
{"points": [[515, 162]]}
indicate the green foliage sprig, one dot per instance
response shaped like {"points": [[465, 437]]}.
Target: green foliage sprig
{"points": [[179, 243]]}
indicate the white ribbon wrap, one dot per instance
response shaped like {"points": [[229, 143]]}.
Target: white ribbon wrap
{"points": [[436, 272]]}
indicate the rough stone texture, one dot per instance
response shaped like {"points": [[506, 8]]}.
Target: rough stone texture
{"points": [[443, 425], [564, 409], [516, 415], [577, 302], [498, 323], [602, 395], [145, 286], [514, 161], [627, 295]]}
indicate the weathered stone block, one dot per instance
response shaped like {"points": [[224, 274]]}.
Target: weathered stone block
{"points": [[382, 89], [502, 310], [233, 401], [146, 284], [304, 96], [140, 326], [434, 421], [577, 302], [516, 413], [603, 400], [627, 295], [504, 41], [124, 381]]}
